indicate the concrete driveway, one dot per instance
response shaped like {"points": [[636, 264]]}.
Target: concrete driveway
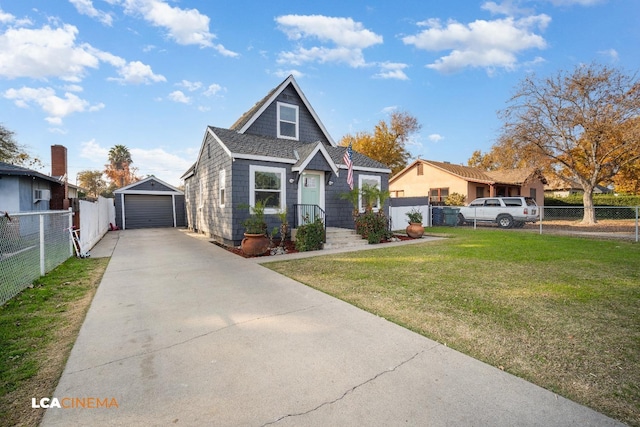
{"points": [[181, 332]]}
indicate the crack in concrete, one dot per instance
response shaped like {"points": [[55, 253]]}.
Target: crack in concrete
{"points": [[157, 350], [351, 390]]}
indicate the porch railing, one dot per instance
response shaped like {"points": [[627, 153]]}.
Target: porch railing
{"points": [[306, 214]]}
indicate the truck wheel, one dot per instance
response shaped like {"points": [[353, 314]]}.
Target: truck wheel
{"points": [[460, 219], [505, 221]]}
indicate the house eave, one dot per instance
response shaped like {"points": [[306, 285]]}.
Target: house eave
{"points": [[242, 156], [318, 148]]}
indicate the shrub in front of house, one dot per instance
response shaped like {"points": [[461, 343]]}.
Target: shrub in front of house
{"points": [[373, 226], [310, 237]]}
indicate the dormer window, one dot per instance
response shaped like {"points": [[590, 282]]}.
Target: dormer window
{"points": [[287, 121]]}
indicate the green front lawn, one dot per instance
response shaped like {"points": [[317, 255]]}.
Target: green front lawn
{"points": [[561, 312], [38, 328]]}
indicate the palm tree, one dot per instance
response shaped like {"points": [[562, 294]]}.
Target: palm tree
{"points": [[119, 162]]}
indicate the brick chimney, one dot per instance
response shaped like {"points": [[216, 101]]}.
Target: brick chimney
{"points": [[59, 193]]}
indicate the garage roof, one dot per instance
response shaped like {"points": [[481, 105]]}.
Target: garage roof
{"points": [[150, 185]]}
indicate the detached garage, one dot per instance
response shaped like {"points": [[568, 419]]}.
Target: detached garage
{"points": [[149, 203]]}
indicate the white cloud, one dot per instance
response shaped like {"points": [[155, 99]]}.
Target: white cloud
{"points": [[213, 89], [5, 18], [56, 107], [392, 70], [166, 166], [575, 2], [506, 7], [347, 39], [179, 96], [53, 52], [73, 88], [283, 74], [45, 52], [85, 7], [612, 54], [92, 150], [390, 109], [341, 31], [481, 43], [434, 137], [135, 72], [190, 86], [184, 26]]}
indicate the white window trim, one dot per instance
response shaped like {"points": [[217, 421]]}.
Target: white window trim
{"points": [[222, 192], [283, 191], [368, 178], [297, 122], [201, 195]]}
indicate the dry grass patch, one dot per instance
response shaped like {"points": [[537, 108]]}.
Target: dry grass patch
{"points": [[558, 311]]}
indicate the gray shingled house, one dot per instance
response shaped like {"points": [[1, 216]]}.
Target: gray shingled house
{"points": [[279, 152]]}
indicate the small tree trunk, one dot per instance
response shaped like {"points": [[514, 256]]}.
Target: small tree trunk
{"points": [[589, 217]]}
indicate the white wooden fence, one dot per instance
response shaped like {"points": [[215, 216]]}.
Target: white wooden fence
{"points": [[95, 218]]}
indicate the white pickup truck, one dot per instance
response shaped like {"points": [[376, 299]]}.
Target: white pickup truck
{"points": [[507, 212]]}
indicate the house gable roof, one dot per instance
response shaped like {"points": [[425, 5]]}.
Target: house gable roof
{"points": [[308, 152], [248, 118], [13, 170], [504, 176], [163, 187], [298, 154]]}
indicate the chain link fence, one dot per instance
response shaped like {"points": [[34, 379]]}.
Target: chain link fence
{"points": [[31, 244], [614, 222], [619, 222]]}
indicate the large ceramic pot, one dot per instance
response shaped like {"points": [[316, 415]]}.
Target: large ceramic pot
{"points": [[255, 244], [415, 230]]}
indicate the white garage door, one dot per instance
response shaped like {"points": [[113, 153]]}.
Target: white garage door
{"points": [[145, 211]]}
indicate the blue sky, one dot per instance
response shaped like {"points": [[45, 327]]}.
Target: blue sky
{"points": [[152, 74]]}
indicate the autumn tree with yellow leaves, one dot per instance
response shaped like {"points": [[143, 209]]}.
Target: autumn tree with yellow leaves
{"points": [[387, 143], [582, 125]]}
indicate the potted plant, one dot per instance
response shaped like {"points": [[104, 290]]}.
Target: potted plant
{"points": [[415, 228], [255, 240]]}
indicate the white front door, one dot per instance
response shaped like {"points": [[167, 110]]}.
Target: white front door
{"points": [[311, 194]]}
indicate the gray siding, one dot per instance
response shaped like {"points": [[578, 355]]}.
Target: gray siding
{"points": [[339, 212], [27, 185], [206, 215], [181, 220], [266, 124], [151, 185], [319, 163]]}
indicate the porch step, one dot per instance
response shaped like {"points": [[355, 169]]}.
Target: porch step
{"points": [[342, 238]]}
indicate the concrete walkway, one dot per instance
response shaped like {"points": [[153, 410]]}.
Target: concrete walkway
{"points": [[182, 332]]}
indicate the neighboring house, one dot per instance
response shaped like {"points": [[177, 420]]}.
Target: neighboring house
{"points": [[278, 152], [563, 187], [438, 180], [26, 190], [149, 203]]}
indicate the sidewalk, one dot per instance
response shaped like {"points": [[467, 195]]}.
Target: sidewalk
{"points": [[182, 332]]}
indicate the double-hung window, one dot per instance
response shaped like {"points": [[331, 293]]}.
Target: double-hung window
{"points": [[267, 184], [287, 121]]}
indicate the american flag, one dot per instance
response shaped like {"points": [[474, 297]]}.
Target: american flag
{"points": [[348, 154]]}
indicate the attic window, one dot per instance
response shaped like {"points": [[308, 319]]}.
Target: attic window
{"points": [[287, 121]]}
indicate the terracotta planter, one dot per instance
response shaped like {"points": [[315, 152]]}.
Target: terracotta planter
{"points": [[415, 230], [255, 244]]}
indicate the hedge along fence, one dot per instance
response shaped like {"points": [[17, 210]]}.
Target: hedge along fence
{"points": [[607, 207], [598, 200]]}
